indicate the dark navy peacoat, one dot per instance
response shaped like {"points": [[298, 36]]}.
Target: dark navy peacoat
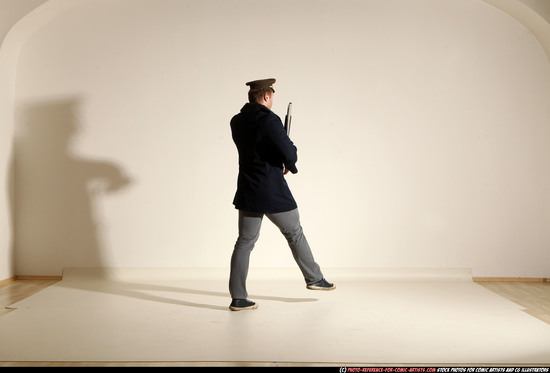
{"points": [[263, 147]]}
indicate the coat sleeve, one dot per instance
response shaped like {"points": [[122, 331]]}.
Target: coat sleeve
{"points": [[277, 135]]}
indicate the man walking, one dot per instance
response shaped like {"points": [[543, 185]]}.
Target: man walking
{"points": [[266, 154]]}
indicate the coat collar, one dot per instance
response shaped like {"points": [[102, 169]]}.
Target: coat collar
{"points": [[251, 107]]}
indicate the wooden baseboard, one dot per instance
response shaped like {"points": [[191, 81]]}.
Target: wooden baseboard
{"points": [[510, 279], [17, 277]]}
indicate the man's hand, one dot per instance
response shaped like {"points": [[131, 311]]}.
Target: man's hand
{"points": [[285, 170]]}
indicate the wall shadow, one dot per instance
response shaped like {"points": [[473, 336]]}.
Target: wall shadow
{"points": [[54, 221]]}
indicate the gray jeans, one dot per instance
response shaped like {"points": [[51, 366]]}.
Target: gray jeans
{"points": [[249, 231]]}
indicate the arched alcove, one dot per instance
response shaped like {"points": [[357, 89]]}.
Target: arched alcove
{"points": [[421, 128]]}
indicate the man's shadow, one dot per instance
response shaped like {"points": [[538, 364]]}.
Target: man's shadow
{"points": [[101, 282], [55, 190]]}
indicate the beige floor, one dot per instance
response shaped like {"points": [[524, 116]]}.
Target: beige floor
{"points": [[145, 318]]}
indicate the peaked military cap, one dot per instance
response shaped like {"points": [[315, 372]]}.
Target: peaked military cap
{"points": [[264, 83]]}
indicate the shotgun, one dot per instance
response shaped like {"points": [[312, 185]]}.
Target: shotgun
{"points": [[288, 118]]}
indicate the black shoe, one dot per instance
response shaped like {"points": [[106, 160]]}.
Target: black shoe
{"points": [[242, 304], [322, 284]]}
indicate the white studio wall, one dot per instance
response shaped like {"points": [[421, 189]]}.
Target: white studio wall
{"points": [[421, 126], [11, 12], [6, 140]]}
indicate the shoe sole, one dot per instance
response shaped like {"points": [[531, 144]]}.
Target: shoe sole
{"points": [[243, 308], [311, 287]]}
